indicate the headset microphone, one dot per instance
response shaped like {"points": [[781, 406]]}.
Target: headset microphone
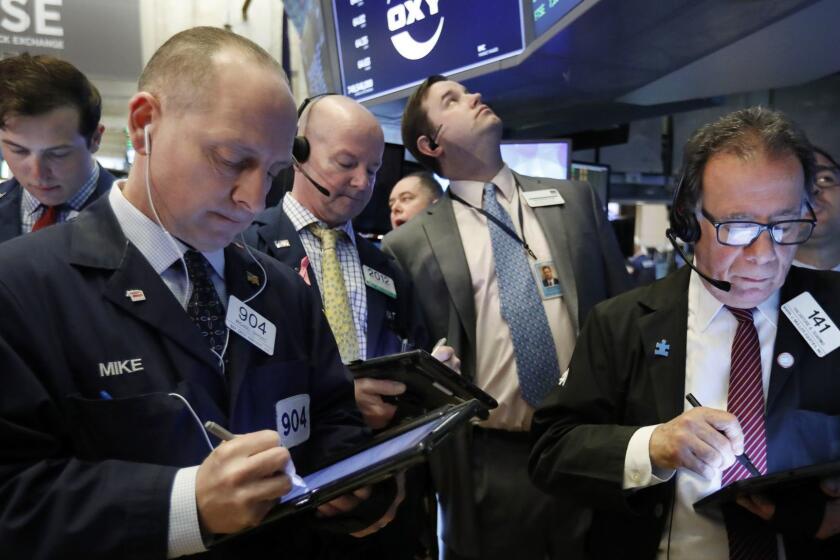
{"points": [[721, 285], [315, 183]]}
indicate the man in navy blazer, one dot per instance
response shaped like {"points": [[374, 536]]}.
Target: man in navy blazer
{"points": [[334, 178], [49, 131], [620, 435], [115, 347]]}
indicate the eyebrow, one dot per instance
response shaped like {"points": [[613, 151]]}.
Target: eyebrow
{"points": [[51, 148]]}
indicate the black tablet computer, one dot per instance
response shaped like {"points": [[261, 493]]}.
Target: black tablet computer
{"points": [[383, 456], [430, 384], [770, 484]]}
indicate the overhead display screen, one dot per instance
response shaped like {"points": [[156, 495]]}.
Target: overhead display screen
{"points": [[549, 12], [388, 45]]}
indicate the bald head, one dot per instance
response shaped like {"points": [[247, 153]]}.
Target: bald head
{"points": [[345, 152], [332, 113], [184, 69]]}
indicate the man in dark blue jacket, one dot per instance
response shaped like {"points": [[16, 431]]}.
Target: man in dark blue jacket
{"points": [[368, 300], [116, 350], [49, 131]]}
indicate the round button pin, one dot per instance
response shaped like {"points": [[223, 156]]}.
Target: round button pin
{"points": [[785, 359]]}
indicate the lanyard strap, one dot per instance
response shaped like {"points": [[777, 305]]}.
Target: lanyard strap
{"points": [[504, 227]]}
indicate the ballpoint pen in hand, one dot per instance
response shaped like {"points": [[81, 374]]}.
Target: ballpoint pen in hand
{"points": [[742, 459]]}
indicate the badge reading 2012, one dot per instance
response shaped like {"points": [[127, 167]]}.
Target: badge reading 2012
{"points": [[250, 325]]}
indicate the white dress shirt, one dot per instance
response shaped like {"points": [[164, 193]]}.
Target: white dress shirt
{"points": [[162, 252], [495, 361], [711, 329]]}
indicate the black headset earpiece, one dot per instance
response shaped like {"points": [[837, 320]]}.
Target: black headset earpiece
{"points": [[300, 147], [683, 221], [433, 145]]}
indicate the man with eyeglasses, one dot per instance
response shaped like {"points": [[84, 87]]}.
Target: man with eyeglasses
{"points": [[619, 433], [822, 251]]}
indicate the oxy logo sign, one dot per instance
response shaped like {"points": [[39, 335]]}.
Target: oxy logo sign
{"points": [[402, 15], [31, 23]]}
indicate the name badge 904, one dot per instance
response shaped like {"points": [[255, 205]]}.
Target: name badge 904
{"points": [[250, 325]]}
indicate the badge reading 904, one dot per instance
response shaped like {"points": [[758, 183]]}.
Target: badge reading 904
{"points": [[250, 325]]}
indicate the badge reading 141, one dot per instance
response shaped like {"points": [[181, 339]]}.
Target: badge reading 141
{"points": [[813, 323], [250, 325]]}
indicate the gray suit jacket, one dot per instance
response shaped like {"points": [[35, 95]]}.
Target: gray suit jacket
{"points": [[590, 268]]}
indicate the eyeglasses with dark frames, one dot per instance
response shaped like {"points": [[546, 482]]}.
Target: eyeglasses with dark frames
{"points": [[742, 233]]}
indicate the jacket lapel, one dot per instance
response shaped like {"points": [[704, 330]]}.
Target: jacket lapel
{"points": [[445, 240], [553, 224], [10, 197], [278, 235], [239, 268], [376, 300], [98, 242], [666, 320]]}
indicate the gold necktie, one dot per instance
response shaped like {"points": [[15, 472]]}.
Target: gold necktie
{"points": [[334, 295]]}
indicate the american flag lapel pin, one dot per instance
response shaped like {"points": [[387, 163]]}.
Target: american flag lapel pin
{"points": [[135, 295]]}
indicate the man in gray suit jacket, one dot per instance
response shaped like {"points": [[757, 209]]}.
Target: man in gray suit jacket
{"points": [[476, 258]]}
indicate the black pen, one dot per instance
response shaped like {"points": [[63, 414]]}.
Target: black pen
{"points": [[742, 459]]}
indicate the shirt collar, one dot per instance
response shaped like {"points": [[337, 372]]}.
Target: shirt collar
{"points": [[150, 239], [301, 217], [707, 307], [30, 204], [472, 191]]}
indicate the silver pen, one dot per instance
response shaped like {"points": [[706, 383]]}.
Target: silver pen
{"points": [[218, 431], [438, 344]]}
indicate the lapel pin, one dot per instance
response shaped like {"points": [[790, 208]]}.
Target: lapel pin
{"points": [[135, 295], [252, 278], [662, 348], [282, 243], [785, 359]]}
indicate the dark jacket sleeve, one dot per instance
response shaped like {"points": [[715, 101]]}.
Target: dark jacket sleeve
{"points": [[579, 443], [52, 500]]}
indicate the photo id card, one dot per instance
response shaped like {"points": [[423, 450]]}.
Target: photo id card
{"points": [[547, 279]]}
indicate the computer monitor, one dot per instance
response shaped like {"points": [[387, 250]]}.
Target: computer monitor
{"points": [[538, 158], [548, 12], [597, 175], [386, 47]]}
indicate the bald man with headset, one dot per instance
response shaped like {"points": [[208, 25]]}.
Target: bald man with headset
{"points": [[368, 301], [627, 433]]}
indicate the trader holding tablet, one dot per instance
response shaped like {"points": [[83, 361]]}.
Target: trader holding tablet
{"points": [[368, 301], [751, 338], [126, 329]]}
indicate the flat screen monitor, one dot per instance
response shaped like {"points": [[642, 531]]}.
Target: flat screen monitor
{"points": [[388, 46], [548, 12], [597, 175], [538, 158]]}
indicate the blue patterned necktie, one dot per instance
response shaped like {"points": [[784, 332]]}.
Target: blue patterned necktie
{"points": [[522, 307], [205, 308]]}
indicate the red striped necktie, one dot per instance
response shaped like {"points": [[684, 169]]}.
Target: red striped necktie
{"points": [[745, 400]]}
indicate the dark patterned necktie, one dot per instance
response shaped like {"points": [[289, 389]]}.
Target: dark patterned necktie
{"points": [[749, 537], [205, 308]]}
